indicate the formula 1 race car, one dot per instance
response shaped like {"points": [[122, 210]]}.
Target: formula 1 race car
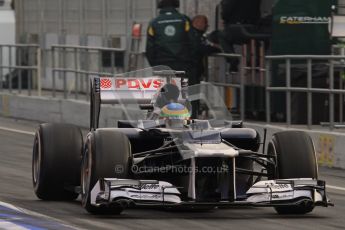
{"points": [[159, 156]]}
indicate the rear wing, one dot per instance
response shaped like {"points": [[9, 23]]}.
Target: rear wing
{"points": [[124, 89]]}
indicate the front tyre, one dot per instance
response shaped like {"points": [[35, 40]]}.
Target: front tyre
{"points": [[56, 161], [107, 154], [296, 158]]}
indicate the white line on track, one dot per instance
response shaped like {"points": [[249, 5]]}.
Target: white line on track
{"points": [[32, 134], [335, 187], [17, 131], [10, 206], [10, 226], [32, 214]]}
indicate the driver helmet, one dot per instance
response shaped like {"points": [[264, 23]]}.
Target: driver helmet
{"points": [[167, 94], [175, 115]]}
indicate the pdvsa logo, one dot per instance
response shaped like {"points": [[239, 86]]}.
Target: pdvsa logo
{"points": [[138, 83], [131, 84]]}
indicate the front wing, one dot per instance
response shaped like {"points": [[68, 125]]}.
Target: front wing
{"points": [[271, 193]]}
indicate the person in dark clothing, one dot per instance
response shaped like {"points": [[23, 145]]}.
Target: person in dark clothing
{"points": [[235, 13], [169, 38], [204, 47], [240, 11]]}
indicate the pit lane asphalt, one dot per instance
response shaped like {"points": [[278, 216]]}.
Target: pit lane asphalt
{"points": [[16, 189]]}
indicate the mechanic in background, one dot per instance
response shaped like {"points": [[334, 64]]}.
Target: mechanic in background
{"points": [[240, 11], [169, 38], [237, 12], [204, 48]]}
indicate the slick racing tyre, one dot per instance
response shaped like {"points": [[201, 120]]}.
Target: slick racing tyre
{"points": [[107, 154], [56, 161], [295, 154]]}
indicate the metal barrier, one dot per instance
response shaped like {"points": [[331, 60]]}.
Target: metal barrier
{"points": [[79, 62], [309, 90], [254, 61], [83, 59], [17, 63]]}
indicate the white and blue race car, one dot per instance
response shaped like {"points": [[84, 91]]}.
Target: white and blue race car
{"points": [[159, 156]]}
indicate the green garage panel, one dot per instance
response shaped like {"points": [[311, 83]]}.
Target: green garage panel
{"points": [[301, 27]]}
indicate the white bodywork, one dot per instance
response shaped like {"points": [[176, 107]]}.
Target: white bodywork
{"points": [[160, 192], [153, 191], [208, 150], [267, 191]]}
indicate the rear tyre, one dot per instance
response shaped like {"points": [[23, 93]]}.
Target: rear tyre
{"points": [[107, 154], [296, 158], [56, 161]]}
